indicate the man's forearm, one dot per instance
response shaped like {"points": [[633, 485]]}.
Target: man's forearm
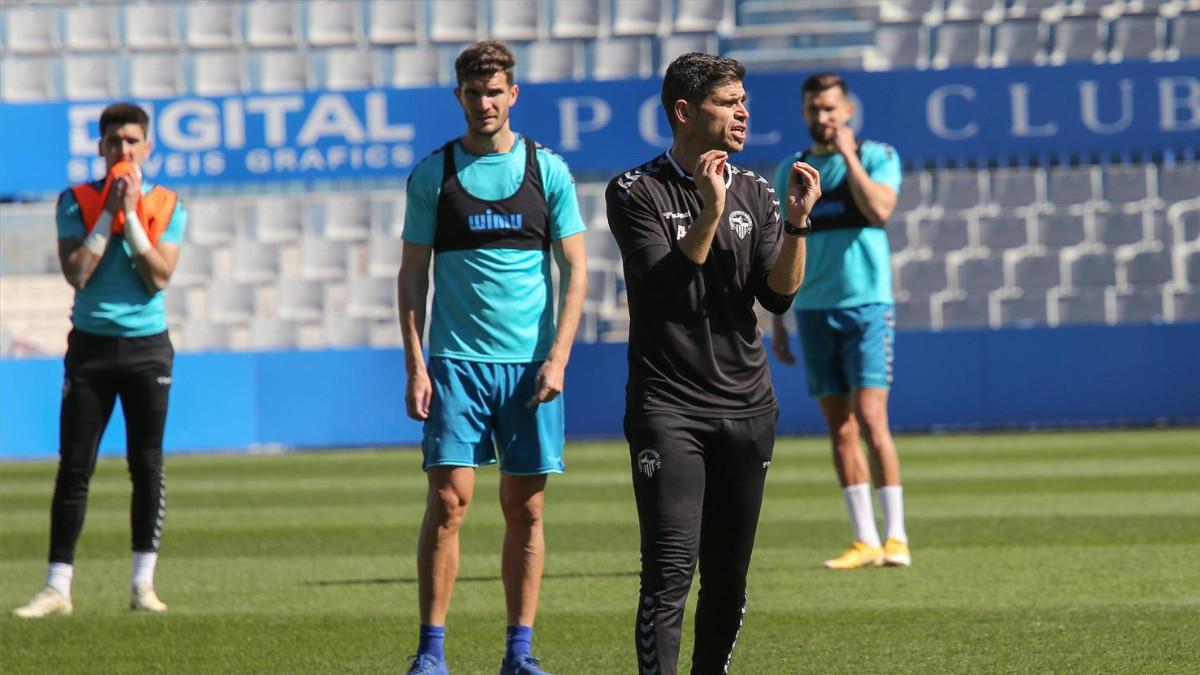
{"points": [[875, 200], [697, 243], [787, 275], [572, 291], [412, 297]]}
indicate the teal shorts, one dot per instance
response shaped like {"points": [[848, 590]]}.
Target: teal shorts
{"points": [[478, 413], [845, 349]]}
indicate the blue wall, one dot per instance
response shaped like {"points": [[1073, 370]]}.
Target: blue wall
{"points": [[604, 127], [947, 380]]}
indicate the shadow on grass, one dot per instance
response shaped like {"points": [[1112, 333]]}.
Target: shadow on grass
{"points": [[413, 580]]}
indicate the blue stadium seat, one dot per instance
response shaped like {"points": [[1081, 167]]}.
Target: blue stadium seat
{"points": [[901, 46], [971, 9], [1186, 305], [968, 311], [1124, 182], [1022, 309], [1078, 39], [1177, 182], [1019, 42], [1148, 268], [1081, 307], [897, 230], [1185, 29], [1139, 307], [1034, 271], [978, 274], [1092, 270], [675, 45], [1137, 37], [960, 189], [1003, 232], [1069, 185], [923, 277], [914, 312], [958, 44], [942, 235], [1119, 228], [914, 192], [1014, 188]]}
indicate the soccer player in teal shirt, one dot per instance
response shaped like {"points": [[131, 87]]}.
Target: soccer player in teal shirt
{"points": [[118, 250], [844, 315], [490, 209]]}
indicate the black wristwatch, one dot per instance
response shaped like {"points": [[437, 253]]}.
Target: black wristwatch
{"points": [[798, 230]]}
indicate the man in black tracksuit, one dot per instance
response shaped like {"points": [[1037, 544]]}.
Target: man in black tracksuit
{"points": [[701, 240]]}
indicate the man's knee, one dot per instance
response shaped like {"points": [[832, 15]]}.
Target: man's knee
{"points": [[447, 508]]}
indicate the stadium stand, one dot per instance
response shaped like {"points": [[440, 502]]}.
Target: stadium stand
{"points": [[1048, 243]]}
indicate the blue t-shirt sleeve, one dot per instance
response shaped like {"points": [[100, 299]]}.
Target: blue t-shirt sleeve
{"points": [[177, 225], [565, 219], [420, 210], [782, 173], [68, 217], [882, 164]]}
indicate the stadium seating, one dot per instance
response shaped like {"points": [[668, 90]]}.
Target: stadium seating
{"points": [[1051, 243]]}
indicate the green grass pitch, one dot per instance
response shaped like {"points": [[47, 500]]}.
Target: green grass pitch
{"points": [[1034, 553]]}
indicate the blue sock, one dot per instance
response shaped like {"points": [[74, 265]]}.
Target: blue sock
{"points": [[433, 639], [520, 641]]}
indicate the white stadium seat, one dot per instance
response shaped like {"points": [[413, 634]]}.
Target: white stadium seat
{"points": [[552, 60], [455, 21], [272, 23], [517, 20], [91, 76], [575, 18], [92, 28], [29, 78], [32, 29], [392, 22], [218, 72], [334, 22], [156, 75], [152, 25], [213, 24]]}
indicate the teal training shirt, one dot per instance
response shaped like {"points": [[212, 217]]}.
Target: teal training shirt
{"points": [[846, 267], [115, 302], [516, 322]]}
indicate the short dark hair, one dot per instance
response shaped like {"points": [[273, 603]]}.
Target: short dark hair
{"points": [[822, 81], [692, 77], [120, 114], [484, 59]]}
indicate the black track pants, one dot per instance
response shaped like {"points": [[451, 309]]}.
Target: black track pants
{"points": [[699, 487], [98, 370]]}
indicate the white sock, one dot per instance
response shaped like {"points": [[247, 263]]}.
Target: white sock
{"points": [[143, 567], [862, 513], [891, 502], [59, 578]]}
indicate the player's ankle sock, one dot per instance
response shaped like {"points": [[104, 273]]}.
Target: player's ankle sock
{"points": [[143, 566], [891, 502], [862, 514], [520, 641], [59, 576], [432, 641]]}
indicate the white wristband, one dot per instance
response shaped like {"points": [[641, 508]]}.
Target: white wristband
{"points": [[97, 239], [135, 234]]}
